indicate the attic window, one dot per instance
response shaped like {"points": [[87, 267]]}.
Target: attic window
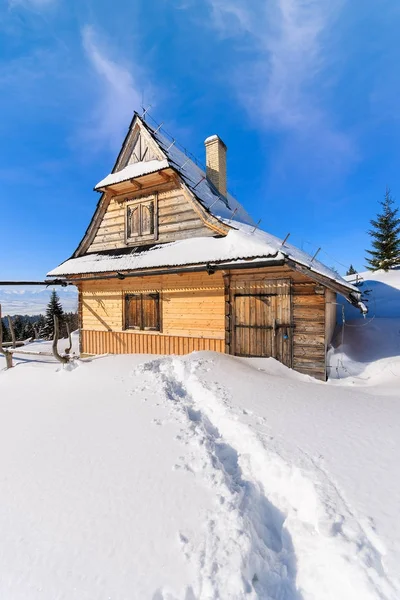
{"points": [[141, 221], [142, 311]]}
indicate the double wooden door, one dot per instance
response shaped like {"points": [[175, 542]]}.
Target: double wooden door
{"points": [[262, 320]]}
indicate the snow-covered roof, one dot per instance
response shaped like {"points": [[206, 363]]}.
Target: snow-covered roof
{"points": [[195, 179], [242, 243], [132, 171]]}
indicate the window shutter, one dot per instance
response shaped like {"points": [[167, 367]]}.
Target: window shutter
{"points": [[147, 218], [151, 311], [133, 312], [133, 221]]}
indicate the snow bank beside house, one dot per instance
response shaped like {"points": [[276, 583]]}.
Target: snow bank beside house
{"points": [[199, 477], [382, 292], [367, 351]]}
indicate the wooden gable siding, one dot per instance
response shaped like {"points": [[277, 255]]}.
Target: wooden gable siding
{"points": [[177, 219]]}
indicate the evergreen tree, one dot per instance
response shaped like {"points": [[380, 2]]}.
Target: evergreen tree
{"points": [[54, 308], [351, 270], [72, 319], [18, 326], [6, 333], [40, 325], [28, 330], [385, 237]]}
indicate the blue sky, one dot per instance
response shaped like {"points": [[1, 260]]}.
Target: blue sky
{"points": [[303, 92]]}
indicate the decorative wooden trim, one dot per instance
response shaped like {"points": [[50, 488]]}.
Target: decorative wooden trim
{"points": [[145, 191], [144, 239]]}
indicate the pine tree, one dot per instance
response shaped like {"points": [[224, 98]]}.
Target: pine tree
{"points": [[53, 308], [6, 333], [351, 270], [40, 324], [386, 237], [18, 326]]}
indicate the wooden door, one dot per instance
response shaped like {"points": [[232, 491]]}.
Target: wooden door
{"points": [[262, 321]]}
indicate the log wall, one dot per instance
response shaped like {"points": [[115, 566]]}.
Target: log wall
{"points": [[196, 315], [308, 317], [192, 308], [330, 316], [177, 219]]}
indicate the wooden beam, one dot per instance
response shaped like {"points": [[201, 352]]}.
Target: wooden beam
{"points": [[144, 191], [61, 282], [326, 281], [136, 184], [165, 176]]}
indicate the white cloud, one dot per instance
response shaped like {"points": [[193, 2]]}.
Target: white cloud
{"points": [[118, 93], [284, 83], [34, 300], [31, 3]]}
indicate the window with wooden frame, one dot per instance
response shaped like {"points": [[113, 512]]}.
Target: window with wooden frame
{"points": [[142, 312], [141, 220]]}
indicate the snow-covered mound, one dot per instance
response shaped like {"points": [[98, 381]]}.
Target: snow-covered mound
{"points": [[203, 477], [382, 292], [367, 351]]}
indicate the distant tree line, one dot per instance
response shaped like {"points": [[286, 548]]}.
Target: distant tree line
{"points": [[41, 326]]}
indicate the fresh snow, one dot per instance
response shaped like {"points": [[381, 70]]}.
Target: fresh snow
{"points": [[195, 178], [204, 477], [369, 349], [382, 290], [132, 171], [201, 477], [241, 243]]}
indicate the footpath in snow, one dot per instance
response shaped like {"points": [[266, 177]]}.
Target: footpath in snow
{"points": [[206, 477], [203, 477]]}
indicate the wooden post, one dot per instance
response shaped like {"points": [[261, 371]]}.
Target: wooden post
{"points": [[228, 314], [12, 331], [68, 350], [61, 359], [8, 355]]}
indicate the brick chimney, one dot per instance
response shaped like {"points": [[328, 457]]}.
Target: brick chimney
{"points": [[216, 162]]}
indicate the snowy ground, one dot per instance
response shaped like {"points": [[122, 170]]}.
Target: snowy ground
{"points": [[203, 477]]}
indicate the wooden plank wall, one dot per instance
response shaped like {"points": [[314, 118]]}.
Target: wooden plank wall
{"points": [[308, 316], [177, 220], [192, 306], [194, 311], [128, 342], [330, 316]]}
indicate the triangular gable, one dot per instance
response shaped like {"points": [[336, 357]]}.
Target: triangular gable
{"points": [[139, 146], [140, 141]]}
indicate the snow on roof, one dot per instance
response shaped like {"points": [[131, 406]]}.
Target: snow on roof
{"points": [[132, 171], [196, 180], [214, 138], [240, 244]]}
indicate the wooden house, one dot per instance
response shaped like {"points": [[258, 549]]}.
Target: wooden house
{"points": [[171, 263]]}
